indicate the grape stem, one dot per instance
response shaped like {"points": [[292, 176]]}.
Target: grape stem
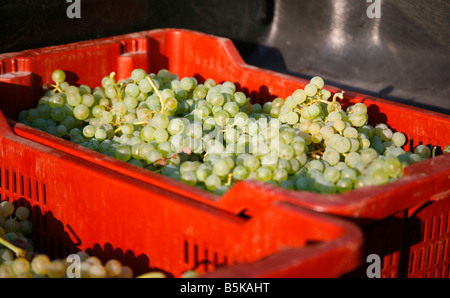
{"points": [[17, 250], [141, 123], [317, 153], [314, 100], [334, 102], [111, 77], [163, 161], [161, 99], [57, 88], [230, 179]]}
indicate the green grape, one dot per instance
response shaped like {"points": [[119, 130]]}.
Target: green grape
{"points": [[161, 135], [342, 145], [326, 94], [57, 114], [292, 118], [299, 96], [160, 121], [231, 108], [240, 172], [339, 125], [40, 124], [43, 109], [22, 213], [100, 134], [165, 75], [81, 112], [286, 151], [145, 86], [130, 102], [358, 120], [106, 117], [251, 162], [344, 185], [318, 81], [325, 186], [257, 108], [393, 167], [132, 90], [97, 110], [127, 128], [386, 134], [423, 151], [368, 155], [267, 107], [349, 173], [56, 269], [39, 264], [240, 98], [97, 271], [144, 115], [379, 177], [221, 168], [212, 182], [84, 89], [113, 268], [446, 149], [332, 174], [123, 152], [6, 271], [331, 156], [189, 177], [6, 208], [270, 161], [280, 174], [315, 165], [89, 131], [119, 108], [153, 156], [187, 83], [264, 174], [147, 134], [88, 100], [138, 74], [311, 89], [304, 184], [58, 76], [350, 132], [360, 108], [57, 100], [203, 171], [352, 159], [20, 266]]}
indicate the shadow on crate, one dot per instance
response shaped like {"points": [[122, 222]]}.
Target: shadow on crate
{"points": [[23, 93], [58, 240], [387, 241]]}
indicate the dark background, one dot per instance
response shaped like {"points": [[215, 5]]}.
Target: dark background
{"points": [[403, 56]]}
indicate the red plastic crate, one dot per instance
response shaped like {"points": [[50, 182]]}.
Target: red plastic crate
{"points": [[384, 211], [78, 205]]}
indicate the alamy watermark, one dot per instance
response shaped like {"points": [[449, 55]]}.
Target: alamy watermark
{"points": [[374, 9], [74, 10], [74, 268], [374, 269]]}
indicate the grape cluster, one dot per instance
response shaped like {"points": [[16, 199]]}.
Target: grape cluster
{"points": [[209, 135], [18, 259]]}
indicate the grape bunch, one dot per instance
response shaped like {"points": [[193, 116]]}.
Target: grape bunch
{"points": [[18, 259], [209, 135]]}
